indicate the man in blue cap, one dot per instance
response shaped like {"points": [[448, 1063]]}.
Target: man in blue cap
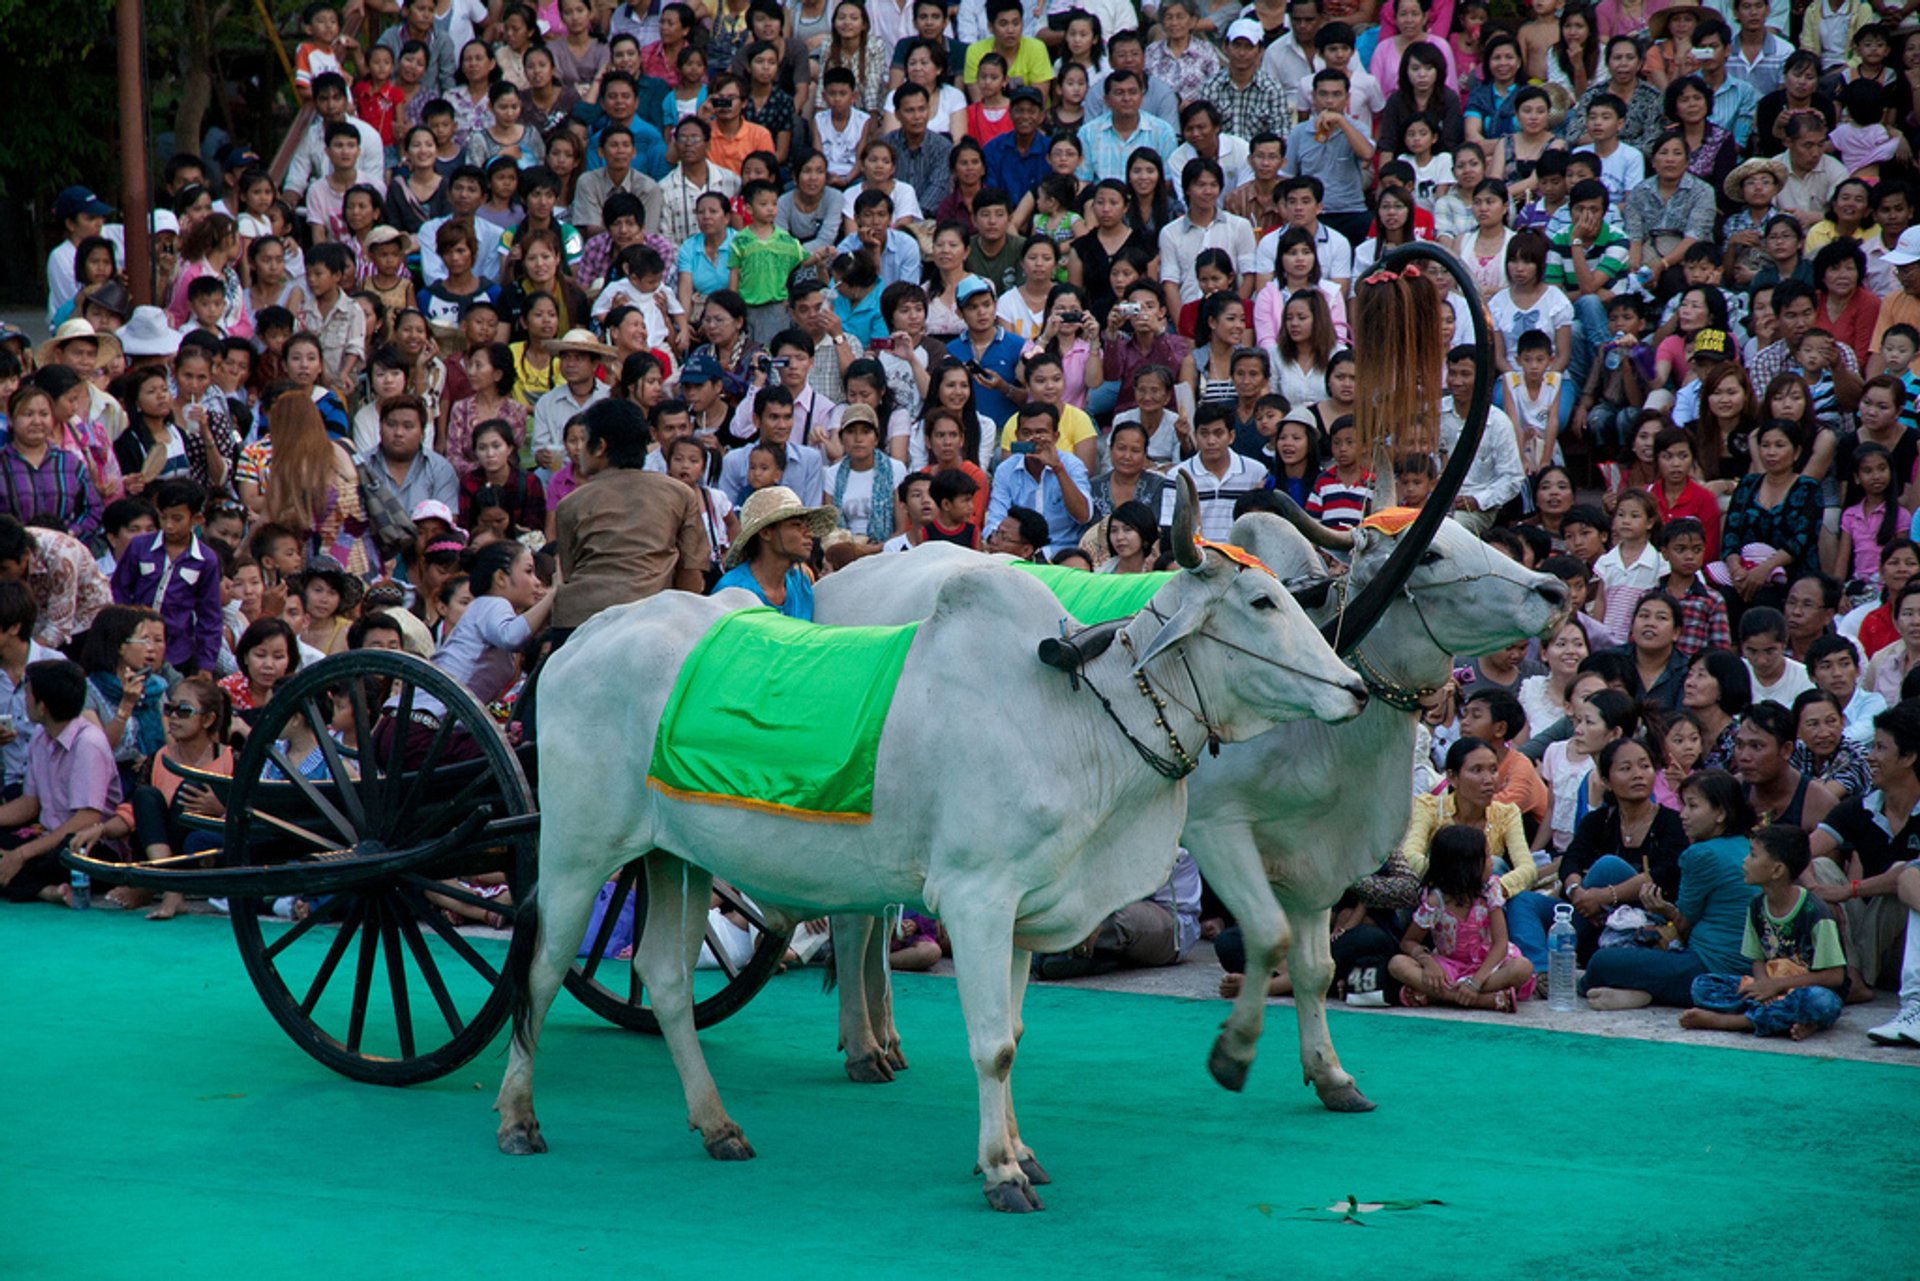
{"points": [[703, 383], [81, 214], [989, 351]]}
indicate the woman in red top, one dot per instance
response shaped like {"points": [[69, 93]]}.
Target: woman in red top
{"points": [[1899, 564], [1848, 310], [1677, 493]]}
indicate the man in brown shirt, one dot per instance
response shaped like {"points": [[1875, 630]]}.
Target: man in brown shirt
{"points": [[627, 533]]}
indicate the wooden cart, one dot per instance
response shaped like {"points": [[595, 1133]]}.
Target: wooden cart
{"points": [[373, 979]]}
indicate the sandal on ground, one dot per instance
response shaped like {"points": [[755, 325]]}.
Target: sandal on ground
{"points": [[1503, 1001], [1413, 999]]}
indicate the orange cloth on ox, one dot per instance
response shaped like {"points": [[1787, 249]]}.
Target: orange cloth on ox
{"points": [[1392, 520]]}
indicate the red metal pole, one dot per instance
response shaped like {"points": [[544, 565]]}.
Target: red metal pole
{"points": [[135, 195]]}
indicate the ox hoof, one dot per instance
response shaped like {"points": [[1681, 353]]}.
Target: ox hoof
{"points": [[1013, 1198], [1035, 1172], [870, 1071], [732, 1146], [1344, 1098], [1230, 1072], [896, 1060], [522, 1139]]}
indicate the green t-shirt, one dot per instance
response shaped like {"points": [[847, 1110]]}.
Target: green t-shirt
{"points": [[764, 264], [1808, 934], [1003, 269], [1030, 66]]}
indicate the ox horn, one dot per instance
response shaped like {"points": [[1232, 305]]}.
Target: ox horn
{"points": [[1185, 499], [1332, 540]]}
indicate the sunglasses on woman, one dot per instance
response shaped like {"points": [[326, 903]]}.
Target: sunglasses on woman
{"points": [[181, 709]]}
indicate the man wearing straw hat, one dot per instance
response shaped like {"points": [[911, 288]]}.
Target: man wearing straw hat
{"points": [[77, 346], [580, 354], [775, 539]]}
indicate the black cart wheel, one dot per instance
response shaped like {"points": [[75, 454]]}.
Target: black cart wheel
{"points": [[374, 980], [611, 987]]}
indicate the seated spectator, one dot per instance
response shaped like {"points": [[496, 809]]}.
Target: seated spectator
{"points": [[1799, 967], [1717, 689], [1652, 646], [1495, 718], [1858, 853], [1763, 645], [1158, 930], [155, 814], [1824, 753], [1834, 662], [1457, 949], [1042, 478], [1472, 780], [71, 784], [1888, 668], [1630, 841], [43, 481], [1777, 791], [1544, 697]]}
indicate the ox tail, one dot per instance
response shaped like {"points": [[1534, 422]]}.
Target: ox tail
{"points": [[516, 976], [830, 972]]}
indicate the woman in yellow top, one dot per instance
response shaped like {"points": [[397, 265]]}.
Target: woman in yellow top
{"points": [[1472, 778], [536, 371]]}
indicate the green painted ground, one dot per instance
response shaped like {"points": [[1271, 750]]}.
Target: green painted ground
{"points": [[164, 1127]]}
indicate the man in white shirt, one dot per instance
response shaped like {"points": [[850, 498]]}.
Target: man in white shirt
{"points": [[1291, 57], [1220, 476], [1200, 126], [1835, 664], [816, 420], [1300, 201], [465, 190], [1497, 475], [1812, 171], [1204, 226], [1763, 644], [331, 106], [579, 354]]}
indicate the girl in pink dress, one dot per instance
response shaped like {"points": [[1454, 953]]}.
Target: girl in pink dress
{"points": [[1457, 949]]}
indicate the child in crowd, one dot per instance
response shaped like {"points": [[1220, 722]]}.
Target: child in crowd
{"points": [[841, 127], [1703, 614], [1432, 168], [1619, 378], [322, 50], [1584, 529], [1457, 950], [1867, 527], [1342, 494], [952, 492], [1898, 348], [124, 520], [1531, 395], [1863, 140], [766, 467], [1682, 744], [1413, 479], [687, 463], [1799, 974], [1632, 568]]}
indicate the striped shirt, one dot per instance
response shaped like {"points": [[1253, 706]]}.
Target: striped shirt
{"points": [[1338, 505], [1218, 494], [57, 490]]}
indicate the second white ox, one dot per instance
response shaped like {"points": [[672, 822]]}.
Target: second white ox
{"points": [[1008, 868], [1285, 821]]}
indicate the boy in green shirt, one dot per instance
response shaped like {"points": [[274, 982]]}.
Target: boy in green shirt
{"points": [[1799, 964], [762, 256]]}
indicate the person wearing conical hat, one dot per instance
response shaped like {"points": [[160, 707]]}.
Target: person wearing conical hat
{"points": [[769, 556]]}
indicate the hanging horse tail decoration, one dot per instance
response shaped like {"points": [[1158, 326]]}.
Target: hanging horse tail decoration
{"points": [[1398, 354]]}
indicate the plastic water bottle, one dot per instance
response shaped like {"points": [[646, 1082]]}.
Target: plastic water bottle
{"points": [[1613, 352], [81, 889], [1560, 947]]}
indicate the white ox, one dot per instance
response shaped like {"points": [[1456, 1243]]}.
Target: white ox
{"points": [[1286, 821], [1008, 866]]}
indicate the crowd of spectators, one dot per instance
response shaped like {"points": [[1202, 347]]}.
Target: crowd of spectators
{"points": [[992, 273]]}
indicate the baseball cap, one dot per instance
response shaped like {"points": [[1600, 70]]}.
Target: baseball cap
{"points": [[971, 285], [1026, 93], [75, 201], [1248, 29], [1905, 250], [859, 414], [702, 368], [1711, 344]]}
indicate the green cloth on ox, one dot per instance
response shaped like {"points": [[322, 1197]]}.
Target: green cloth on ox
{"points": [[1098, 598], [774, 714]]}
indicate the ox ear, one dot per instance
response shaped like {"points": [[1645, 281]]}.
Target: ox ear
{"points": [[1184, 623]]}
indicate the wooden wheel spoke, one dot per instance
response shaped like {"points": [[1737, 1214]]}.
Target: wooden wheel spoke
{"points": [[363, 974], [423, 960], [331, 961], [314, 795], [344, 783], [622, 887], [292, 829], [396, 751], [459, 893], [720, 954], [369, 759], [741, 903], [466, 950], [397, 979], [442, 814], [289, 937]]}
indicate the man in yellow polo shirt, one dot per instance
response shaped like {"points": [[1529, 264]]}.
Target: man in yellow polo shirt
{"points": [[1027, 60]]}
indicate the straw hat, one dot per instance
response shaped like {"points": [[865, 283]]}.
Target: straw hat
{"points": [[1657, 24], [580, 340], [770, 506], [1737, 180], [69, 331]]}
